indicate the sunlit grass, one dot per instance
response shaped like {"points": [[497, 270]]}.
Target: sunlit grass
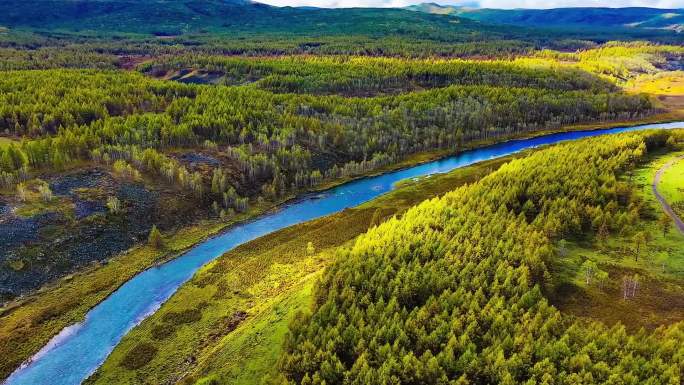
{"points": [[660, 266], [672, 182], [5, 141]]}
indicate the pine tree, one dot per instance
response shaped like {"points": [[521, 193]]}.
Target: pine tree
{"points": [[155, 238], [665, 223]]}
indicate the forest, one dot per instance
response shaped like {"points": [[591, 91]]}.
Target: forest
{"points": [[229, 133], [131, 132], [455, 290], [614, 270]]}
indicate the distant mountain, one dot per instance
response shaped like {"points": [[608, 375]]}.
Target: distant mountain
{"points": [[175, 17], [158, 16], [443, 9], [240, 18], [669, 19]]}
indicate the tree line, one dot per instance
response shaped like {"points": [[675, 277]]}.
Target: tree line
{"points": [[369, 75], [273, 144]]}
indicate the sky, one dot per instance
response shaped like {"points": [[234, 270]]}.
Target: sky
{"points": [[484, 3]]}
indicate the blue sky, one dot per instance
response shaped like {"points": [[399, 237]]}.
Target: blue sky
{"points": [[485, 3]]}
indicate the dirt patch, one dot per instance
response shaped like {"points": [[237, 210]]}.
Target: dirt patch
{"points": [[130, 62], [674, 102], [190, 76], [227, 324]]}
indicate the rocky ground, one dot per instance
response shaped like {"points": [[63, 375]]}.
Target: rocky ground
{"points": [[44, 241]]}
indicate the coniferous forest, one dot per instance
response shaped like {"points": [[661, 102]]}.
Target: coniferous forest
{"points": [[134, 133]]}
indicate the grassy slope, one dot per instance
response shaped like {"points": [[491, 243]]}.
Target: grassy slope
{"points": [[666, 90], [5, 141], [660, 265], [672, 186], [269, 279]]}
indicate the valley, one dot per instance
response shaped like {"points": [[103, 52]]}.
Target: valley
{"points": [[229, 192]]}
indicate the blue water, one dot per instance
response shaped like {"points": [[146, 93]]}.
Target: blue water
{"points": [[80, 349]]}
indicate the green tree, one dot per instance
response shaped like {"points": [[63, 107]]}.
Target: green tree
{"points": [[665, 223], [45, 192], [114, 205], [589, 269], [21, 192], [639, 239], [155, 238]]}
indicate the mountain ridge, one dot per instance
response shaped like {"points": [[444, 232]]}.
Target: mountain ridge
{"points": [[595, 17]]}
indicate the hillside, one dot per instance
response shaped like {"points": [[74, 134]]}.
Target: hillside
{"points": [[92, 159], [599, 18], [455, 290], [175, 17], [231, 20], [243, 301]]}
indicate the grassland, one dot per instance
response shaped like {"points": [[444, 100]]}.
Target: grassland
{"points": [[659, 264], [243, 300], [5, 141], [666, 90], [672, 186]]}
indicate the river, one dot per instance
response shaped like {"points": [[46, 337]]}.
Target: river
{"points": [[78, 350]]}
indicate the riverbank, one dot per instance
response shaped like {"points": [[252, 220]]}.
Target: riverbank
{"points": [[243, 300], [27, 326]]}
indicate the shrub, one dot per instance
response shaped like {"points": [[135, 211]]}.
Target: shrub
{"points": [[139, 356]]}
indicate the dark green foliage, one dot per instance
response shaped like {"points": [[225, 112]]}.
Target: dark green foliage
{"points": [[175, 17], [183, 317], [204, 19], [50, 57], [162, 331], [452, 293], [139, 356]]}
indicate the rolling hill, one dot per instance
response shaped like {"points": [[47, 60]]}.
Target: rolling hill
{"points": [[651, 18], [246, 19], [174, 17]]}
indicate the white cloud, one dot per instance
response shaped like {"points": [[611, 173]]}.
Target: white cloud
{"points": [[580, 3], [340, 3], [483, 3]]}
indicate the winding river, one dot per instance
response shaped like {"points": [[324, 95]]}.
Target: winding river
{"points": [[78, 350]]}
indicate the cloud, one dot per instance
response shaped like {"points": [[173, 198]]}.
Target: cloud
{"points": [[341, 3], [483, 3], [580, 3]]}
